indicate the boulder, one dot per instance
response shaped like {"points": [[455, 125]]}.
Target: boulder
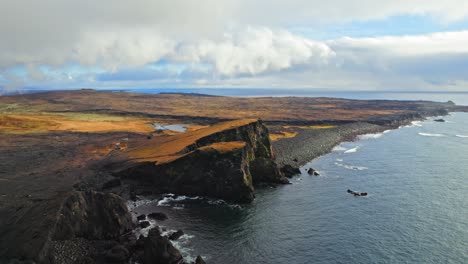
{"points": [[158, 249], [176, 235], [289, 171], [313, 172], [141, 217], [144, 224], [439, 120]]}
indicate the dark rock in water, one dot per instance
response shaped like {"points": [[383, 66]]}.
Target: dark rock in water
{"points": [[289, 171], [144, 224], [356, 193], [313, 172], [158, 216], [439, 120], [176, 235], [199, 260], [92, 215], [284, 180], [111, 183], [159, 249], [118, 254], [141, 217]]}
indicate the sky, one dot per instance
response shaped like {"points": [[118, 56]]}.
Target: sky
{"points": [[412, 45]]}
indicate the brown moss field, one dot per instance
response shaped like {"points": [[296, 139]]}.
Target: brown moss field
{"points": [[165, 149], [43, 123]]}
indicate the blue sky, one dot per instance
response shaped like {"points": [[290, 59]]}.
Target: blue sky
{"points": [[337, 44]]}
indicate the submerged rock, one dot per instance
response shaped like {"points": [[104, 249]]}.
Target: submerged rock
{"points": [[439, 120]]}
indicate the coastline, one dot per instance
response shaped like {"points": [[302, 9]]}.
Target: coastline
{"points": [[81, 156]]}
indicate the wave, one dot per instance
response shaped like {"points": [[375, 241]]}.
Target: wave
{"points": [[370, 136], [431, 135], [386, 131], [417, 123], [339, 148], [134, 204], [170, 199], [355, 149], [350, 167], [461, 136]]}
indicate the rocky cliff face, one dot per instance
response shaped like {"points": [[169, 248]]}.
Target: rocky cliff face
{"points": [[225, 163], [92, 215]]}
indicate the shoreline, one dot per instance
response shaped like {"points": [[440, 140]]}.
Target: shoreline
{"points": [[46, 129]]}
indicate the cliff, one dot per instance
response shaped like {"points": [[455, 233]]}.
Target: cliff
{"points": [[224, 161]]}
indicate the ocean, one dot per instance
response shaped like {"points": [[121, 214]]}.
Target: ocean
{"points": [[416, 210]]}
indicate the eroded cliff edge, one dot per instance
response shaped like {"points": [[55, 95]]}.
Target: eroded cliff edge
{"points": [[225, 161]]}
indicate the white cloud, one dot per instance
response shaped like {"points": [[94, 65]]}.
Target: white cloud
{"points": [[256, 50], [239, 41]]}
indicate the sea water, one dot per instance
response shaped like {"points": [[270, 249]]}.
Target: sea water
{"points": [[416, 210]]}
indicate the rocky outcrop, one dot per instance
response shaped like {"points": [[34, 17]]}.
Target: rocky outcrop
{"points": [[158, 249], [92, 215], [225, 161]]}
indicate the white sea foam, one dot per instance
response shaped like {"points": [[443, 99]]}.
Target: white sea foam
{"points": [[169, 200], [461, 136], [386, 131], [370, 136], [431, 135], [355, 149], [339, 148], [350, 167], [134, 204], [417, 123], [340, 160]]}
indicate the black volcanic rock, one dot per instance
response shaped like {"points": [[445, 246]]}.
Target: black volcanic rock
{"points": [[141, 217], [289, 171], [92, 215], [313, 172], [176, 235], [439, 120], [144, 224], [199, 260], [158, 249]]}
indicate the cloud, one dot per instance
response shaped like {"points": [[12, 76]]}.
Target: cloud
{"points": [[255, 51], [232, 42]]}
